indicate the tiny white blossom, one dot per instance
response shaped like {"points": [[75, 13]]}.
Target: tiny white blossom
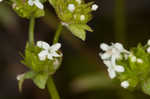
{"points": [[20, 76], [148, 49], [71, 7], [148, 42], [79, 1], [36, 2], [139, 60], [125, 84], [82, 17], [48, 51], [133, 59], [113, 68], [111, 54], [94, 7]]}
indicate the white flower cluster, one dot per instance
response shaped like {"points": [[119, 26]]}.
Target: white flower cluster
{"points": [[109, 57], [48, 51], [148, 49], [135, 59], [71, 8], [36, 2]]}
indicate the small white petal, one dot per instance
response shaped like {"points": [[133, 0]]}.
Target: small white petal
{"points": [[30, 2], [55, 47], [139, 60], [82, 17], [119, 68], [38, 4], [119, 46], [108, 63], [125, 84], [20, 76], [50, 56], [148, 42], [148, 49], [94, 7], [79, 1], [42, 55], [112, 73], [43, 45], [104, 46], [71, 7], [104, 56]]}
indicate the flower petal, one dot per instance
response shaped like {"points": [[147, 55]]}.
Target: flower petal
{"points": [[119, 68], [42, 55], [108, 63], [104, 55], [55, 47], [119, 46], [43, 45], [125, 84], [38, 4], [104, 46], [50, 56], [112, 73], [30, 2]]}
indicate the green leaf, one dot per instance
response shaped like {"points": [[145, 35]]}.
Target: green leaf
{"points": [[146, 87], [28, 75], [40, 80], [77, 31]]}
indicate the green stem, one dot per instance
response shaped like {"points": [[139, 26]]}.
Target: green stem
{"points": [[31, 30], [52, 89], [57, 34], [50, 83]]}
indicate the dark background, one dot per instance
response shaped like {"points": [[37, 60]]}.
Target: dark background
{"points": [[82, 74]]}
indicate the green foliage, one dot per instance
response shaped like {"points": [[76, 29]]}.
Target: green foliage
{"points": [[72, 19], [39, 70], [24, 10], [136, 73]]}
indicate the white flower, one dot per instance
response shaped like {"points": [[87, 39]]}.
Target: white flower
{"points": [[148, 42], [133, 59], [71, 7], [114, 50], [139, 60], [20, 76], [94, 7], [125, 84], [111, 54], [36, 2], [79, 1], [48, 51], [148, 49], [1, 0], [113, 68], [82, 17]]}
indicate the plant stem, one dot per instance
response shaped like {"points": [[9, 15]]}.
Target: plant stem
{"points": [[50, 83], [52, 88], [31, 30], [57, 34]]}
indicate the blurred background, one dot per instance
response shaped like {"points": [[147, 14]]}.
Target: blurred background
{"points": [[82, 74]]}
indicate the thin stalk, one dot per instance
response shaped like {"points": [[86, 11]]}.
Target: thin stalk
{"points": [[31, 30], [50, 83], [52, 89], [120, 25], [57, 34]]}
